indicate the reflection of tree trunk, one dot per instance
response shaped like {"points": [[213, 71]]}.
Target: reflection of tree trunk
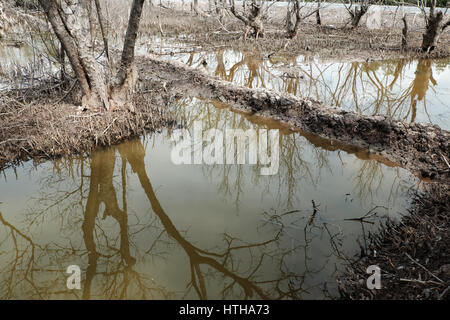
{"points": [[101, 190], [135, 156], [424, 75], [398, 70], [221, 71]]}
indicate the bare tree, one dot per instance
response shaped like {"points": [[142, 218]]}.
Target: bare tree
{"points": [[404, 33], [435, 25], [318, 19], [253, 19], [358, 12], [71, 21], [294, 17]]}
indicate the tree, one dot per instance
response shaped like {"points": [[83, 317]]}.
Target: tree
{"points": [[253, 19], [71, 22], [294, 17], [434, 26], [358, 12], [318, 20]]}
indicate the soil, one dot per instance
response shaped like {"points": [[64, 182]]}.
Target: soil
{"points": [[50, 125], [413, 255], [334, 39]]}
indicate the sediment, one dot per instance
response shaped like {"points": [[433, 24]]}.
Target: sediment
{"points": [[46, 128]]}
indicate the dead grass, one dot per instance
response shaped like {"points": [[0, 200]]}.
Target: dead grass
{"points": [[52, 125], [332, 40], [413, 254]]}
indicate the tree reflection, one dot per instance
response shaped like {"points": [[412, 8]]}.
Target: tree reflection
{"points": [[424, 75], [304, 157], [113, 254], [365, 87]]}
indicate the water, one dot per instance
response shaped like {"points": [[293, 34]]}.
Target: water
{"points": [[141, 227], [26, 62], [412, 91], [408, 90]]}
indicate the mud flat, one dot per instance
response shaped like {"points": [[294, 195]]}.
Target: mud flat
{"points": [[332, 39]]}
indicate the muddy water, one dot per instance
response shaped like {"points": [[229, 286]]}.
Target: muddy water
{"points": [[413, 91], [141, 227], [27, 61]]}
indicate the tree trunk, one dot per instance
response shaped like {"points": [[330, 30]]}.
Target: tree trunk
{"points": [[103, 27], [253, 21], [318, 20], [72, 24], [292, 27], [130, 40], [433, 30], [357, 14], [404, 33]]}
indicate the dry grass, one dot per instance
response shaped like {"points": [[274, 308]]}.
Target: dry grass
{"points": [[413, 254], [51, 124]]}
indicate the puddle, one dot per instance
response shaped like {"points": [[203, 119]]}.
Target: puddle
{"points": [[141, 227], [412, 91], [25, 63]]}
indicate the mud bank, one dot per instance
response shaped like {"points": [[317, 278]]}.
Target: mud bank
{"points": [[413, 255], [47, 128], [421, 148]]}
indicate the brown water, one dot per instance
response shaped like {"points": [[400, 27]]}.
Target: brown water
{"points": [[141, 227]]}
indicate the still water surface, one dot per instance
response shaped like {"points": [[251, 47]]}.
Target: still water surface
{"points": [[141, 227]]}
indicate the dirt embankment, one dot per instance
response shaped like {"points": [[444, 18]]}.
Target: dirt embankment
{"points": [[414, 255], [31, 129], [421, 148], [44, 127]]}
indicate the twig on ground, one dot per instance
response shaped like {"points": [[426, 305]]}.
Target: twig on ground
{"points": [[420, 265]]}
